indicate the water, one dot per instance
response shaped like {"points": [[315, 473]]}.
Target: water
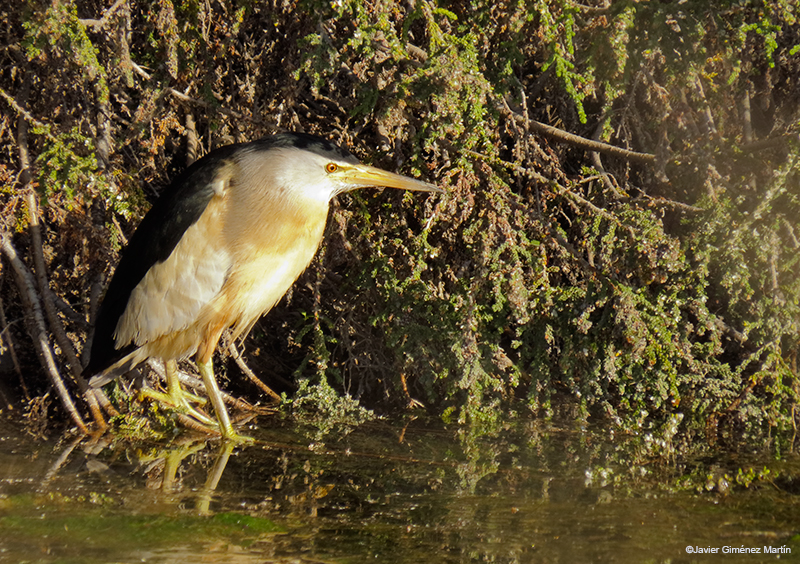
{"points": [[412, 491]]}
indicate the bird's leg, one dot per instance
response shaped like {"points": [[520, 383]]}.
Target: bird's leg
{"points": [[174, 389], [177, 398], [212, 389]]}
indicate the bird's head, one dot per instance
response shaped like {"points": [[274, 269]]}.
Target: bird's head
{"points": [[321, 170]]}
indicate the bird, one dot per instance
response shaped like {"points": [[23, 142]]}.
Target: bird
{"points": [[216, 251]]}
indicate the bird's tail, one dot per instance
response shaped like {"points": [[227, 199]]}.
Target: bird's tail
{"points": [[122, 366]]}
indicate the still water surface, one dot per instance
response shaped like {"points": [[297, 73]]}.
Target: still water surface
{"points": [[410, 491]]}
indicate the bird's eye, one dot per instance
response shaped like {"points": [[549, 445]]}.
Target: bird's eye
{"points": [[331, 167]]}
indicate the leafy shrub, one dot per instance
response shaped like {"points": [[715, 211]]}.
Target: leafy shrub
{"points": [[638, 289]]}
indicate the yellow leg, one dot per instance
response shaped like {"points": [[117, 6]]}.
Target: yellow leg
{"points": [[212, 389], [177, 398], [174, 385]]}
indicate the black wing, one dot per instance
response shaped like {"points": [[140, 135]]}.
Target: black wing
{"points": [[178, 207]]}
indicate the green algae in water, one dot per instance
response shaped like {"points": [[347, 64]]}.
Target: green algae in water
{"points": [[61, 534]]}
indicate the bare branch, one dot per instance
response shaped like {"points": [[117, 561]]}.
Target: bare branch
{"points": [[576, 140], [597, 162], [590, 145], [191, 138], [237, 357], [97, 25], [195, 101], [27, 115], [38, 329], [52, 315], [5, 334], [747, 121], [770, 143]]}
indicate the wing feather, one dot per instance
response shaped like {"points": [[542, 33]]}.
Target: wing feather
{"points": [[175, 214], [173, 293]]}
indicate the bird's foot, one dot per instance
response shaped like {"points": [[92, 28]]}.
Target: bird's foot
{"points": [[191, 417], [181, 401]]}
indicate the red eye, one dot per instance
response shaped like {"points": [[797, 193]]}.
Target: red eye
{"points": [[331, 167]]}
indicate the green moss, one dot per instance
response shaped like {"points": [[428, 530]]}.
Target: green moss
{"points": [[90, 533], [544, 281]]}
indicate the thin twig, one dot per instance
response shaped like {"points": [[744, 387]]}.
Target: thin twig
{"points": [[578, 141], [38, 332], [664, 202], [598, 162], [762, 144], [5, 334], [52, 315], [747, 122], [708, 117], [96, 289], [567, 246], [195, 101], [28, 117], [97, 25], [68, 311], [60, 461], [191, 138], [123, 31], [237, 357], [590, 145], [530, 173], [40, 269], [22, 134], [102, 141]]}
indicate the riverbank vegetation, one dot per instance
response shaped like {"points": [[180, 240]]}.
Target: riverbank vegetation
{"points": [[619, 241]]}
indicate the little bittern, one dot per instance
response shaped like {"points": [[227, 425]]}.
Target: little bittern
{"points": [[217, 250]]}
